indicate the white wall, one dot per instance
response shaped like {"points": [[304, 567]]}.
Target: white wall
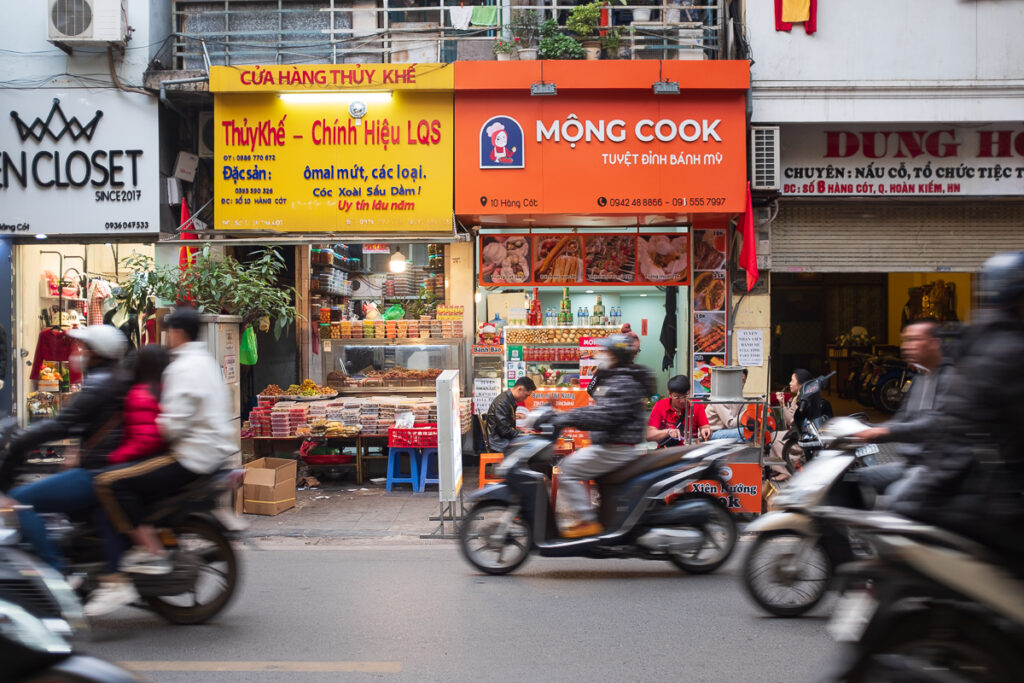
{"points": [[30, 61], [923, 60]]}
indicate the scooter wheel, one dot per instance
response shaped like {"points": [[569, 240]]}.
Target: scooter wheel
{"points": [[481, 548], [781, 583], [719, 540]]}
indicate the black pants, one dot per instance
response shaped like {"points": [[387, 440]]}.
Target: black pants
{"points": [[124, 492]]}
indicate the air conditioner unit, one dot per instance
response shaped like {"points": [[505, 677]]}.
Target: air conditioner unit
{"points": [[764, 158], [204, 145], [73, 23]]}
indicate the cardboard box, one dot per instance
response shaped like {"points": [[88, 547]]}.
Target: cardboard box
{"points": [[269, 486]]}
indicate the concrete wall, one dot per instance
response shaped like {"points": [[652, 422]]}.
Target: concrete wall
{"points": [[937, 49], [30, 60]]}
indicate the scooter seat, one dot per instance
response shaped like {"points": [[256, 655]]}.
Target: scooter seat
{"points": [[648, 462]]}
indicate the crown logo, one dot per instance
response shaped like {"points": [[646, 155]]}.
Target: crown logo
{"points": [[56, 125]]}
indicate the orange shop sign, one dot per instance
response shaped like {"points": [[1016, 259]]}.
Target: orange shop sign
{"points": [[742, 491], [585, 152]]}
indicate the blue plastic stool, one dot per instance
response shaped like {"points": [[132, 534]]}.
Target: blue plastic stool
{"points": [[428, 468], [395, 474]]}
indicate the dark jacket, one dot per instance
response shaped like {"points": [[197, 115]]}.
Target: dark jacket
{"points": [[917, 419], [974, 479], [501, 420], [92, 408], [619, 415]]}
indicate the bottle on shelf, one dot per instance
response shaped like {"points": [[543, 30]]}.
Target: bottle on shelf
{"points": [[598, 318], [586, 316], [565, 308], [534, 317]]}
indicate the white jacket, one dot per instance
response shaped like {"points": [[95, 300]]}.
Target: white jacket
{"points": [[195, 418]]}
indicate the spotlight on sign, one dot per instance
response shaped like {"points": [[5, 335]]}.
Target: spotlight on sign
{"points": [[666, 88], [543, 89]]}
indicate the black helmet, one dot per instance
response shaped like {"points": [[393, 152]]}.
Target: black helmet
{"points": [[1002, 279], [620, 346]]}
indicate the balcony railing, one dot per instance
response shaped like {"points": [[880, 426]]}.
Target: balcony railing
{"points": [[235, 32]]}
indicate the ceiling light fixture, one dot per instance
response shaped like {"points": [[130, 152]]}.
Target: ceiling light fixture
{"points": [[375, 97], [397, 263]]}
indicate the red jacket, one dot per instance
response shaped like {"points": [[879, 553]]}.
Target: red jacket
{"points": [[141, 433]]}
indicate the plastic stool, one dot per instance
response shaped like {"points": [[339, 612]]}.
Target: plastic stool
{"points": [[395, 475], [428, 468], [485, 460], [556, 474]]}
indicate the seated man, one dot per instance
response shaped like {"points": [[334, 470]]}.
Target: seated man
{"points": [[723, 418], [501, 416], [669, 414]]}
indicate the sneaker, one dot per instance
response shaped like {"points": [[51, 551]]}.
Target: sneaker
{"points": [[110, 596], [138, 561], [581, 529]]}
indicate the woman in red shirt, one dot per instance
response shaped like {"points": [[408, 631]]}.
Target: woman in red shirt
{"points": [[668, 415]]}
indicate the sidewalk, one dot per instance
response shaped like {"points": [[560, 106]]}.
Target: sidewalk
{"points": [[346, 512]]}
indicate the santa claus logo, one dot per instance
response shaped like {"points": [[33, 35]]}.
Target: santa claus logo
{"points": [[501, 143]]}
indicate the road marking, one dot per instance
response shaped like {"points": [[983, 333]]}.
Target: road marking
{"points": [[320, 667]]}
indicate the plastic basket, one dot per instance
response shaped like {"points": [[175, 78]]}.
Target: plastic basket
{"points": [[420, 436]]}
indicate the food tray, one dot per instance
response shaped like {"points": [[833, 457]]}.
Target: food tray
{"points": [[420, 436], [319, 397]]}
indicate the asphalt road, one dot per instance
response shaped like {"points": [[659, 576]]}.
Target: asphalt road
{"points": [[419, 612]]}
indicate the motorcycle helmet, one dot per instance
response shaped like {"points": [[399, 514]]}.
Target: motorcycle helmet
{"points": [[1002, 279], [620, 346], [104, 341]]}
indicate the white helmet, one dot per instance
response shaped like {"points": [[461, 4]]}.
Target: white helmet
{"points": [[105, 341]]}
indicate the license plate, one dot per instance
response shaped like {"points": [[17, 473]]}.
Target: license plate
{"points": [[852, 614], [870, 449]]}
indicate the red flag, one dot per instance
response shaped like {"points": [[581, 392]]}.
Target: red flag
{"points": [[748, 254], [185, 254]]}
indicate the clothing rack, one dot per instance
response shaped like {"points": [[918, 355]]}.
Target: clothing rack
{"points": [[60, 278]]}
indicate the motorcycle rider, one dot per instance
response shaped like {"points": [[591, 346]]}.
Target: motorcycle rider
{"points": [[501, 416], [94, 416], [913, 423], [973, 482], [616, 425]]}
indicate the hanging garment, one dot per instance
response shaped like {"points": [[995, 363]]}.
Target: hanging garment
{"points": [[485, 15], [796, 11], [54, 345], [460, 17], [810, 25], [100, 299], [669, 329]]}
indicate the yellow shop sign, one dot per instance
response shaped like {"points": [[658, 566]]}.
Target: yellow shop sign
{"points": [[332, 161], [322, 77]]}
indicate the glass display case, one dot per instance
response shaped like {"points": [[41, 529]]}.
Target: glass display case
{"points": [[404, 366]]}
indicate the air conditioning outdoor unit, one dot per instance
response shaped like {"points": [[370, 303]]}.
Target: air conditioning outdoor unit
{"points": [[72, 23], [205, 144], [764, 158]]}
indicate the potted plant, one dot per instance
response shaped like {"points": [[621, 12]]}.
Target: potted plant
{"points": [[504, 49], [583, 21], [611, 42], [524, 28], [556, 45], [642, 14]]}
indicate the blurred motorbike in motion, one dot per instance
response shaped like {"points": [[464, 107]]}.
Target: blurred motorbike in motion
{"points": [[928, 606], [645, 509]]}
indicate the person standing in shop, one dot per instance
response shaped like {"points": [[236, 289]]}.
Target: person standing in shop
{"points": [[667, 421], [501, 416]]}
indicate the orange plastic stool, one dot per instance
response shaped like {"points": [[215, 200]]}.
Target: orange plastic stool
{"points": [[555, 476], [485, 460]]}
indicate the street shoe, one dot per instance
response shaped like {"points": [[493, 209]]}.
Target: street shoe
{"points": [[581, 529], [138, 561], [109, 597]]}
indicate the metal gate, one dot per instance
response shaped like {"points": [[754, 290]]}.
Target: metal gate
{"points": [[849, 237]]}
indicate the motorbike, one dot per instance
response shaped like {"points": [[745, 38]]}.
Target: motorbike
{"points": [[205, 571], [31, 651], [791, 564], [929, 606], [645, 509], [812, 413], [890, 383]]}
